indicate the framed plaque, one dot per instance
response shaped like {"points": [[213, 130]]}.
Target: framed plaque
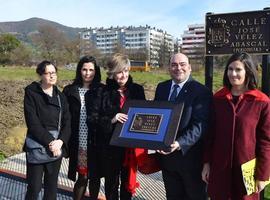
{"points": [[151, 125]]}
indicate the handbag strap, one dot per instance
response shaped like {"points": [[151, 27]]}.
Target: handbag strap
{"points": [[60, 113]]}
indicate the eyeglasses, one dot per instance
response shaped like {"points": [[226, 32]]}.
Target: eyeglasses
{"points": [[50, 73]]}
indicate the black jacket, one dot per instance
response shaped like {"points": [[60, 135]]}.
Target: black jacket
{"points": [[72, 94], [42, 114], [193, 125], [104, 159]]}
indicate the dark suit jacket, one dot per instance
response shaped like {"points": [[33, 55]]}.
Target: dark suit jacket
{"points": [[193, 124]]}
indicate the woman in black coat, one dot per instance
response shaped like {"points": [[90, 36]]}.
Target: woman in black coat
{"points": [[108, 161], [41, 111], [87, 81]]}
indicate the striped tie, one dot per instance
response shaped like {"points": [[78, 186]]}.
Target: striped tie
{"points": [[174, 93]]}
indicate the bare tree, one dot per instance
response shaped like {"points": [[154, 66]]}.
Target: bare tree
{"points": [[138, 54], [54, 45], [71, 50], [118, 48], [22, 55], [164, 54], [86, 47], [50, 41]]}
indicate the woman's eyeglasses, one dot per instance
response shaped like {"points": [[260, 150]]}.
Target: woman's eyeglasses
{"points": [[50, 73]]}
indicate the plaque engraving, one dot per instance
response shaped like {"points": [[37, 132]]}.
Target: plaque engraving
{"points": [[237, 32], [146, 123]]}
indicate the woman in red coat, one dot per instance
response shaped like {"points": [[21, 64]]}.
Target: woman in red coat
{"points": [[239, 132]]}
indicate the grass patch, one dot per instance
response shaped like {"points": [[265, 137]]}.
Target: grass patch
{"points": [[145, 78], [267, 193], [28, 73], [2, 156]]}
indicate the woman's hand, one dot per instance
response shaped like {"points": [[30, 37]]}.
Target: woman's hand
{"points": [[120, 117], [55, 145], [57, 153], [206, 172], [259, 185]]}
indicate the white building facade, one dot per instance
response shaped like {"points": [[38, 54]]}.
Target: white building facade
{"points": [[130, 38], [193, 41]]}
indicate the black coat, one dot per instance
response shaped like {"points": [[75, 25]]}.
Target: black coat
{"points": [[104, 159], [186, 163], [193, 124], [72, 94], [42, 114]]}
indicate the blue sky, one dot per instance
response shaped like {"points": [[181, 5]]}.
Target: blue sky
{"points": [[172, 16]]}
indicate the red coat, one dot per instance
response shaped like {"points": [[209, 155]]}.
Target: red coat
{"points": [[238, 133]]}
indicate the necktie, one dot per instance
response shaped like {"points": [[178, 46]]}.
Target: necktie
{"points": [[174, 93]]}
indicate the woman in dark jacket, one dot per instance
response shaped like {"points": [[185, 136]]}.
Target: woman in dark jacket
{"points": [[87, 80], [41, 110], [109, 160]]}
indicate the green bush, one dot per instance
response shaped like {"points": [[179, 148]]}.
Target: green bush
{"points": [[2, 156], [267, 193]]}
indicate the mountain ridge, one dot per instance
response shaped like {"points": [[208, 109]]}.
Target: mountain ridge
{"points": [[22, 29]]}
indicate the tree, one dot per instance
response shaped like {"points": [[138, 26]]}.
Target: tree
{"points": [[118, 48], [50, 42], [55, 46], [138, 54], [8, 43], [22, 55], [220, 61], [88, 48], [164, 54]]}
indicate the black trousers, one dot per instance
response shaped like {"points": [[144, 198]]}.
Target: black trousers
{"points": [[184, 185], [34, 175], [124, 193], [111, 187]]}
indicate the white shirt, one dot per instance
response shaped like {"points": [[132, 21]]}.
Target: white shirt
{"points": [[181, 85]]}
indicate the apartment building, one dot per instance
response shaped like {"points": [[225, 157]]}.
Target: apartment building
{"points": [[130, 38], [193, 41]]}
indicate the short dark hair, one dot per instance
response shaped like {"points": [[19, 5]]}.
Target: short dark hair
{"points": [[86, 59], [251, 79], [41, 67]]}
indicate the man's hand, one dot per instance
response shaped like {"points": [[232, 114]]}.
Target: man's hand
{"points": [[174, 146]]}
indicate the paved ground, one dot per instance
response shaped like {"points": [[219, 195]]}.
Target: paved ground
{"points": [[13, 185]]}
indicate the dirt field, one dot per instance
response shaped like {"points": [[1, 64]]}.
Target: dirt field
{"points": [[11, 109], [12, 125]]}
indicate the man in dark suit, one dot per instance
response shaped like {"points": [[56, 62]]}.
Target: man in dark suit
{"points": [[182, 164]]}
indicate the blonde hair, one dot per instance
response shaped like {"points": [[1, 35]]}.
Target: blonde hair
{"points": [[117, 64]]}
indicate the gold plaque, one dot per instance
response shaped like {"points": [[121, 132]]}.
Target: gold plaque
{"points": [[146, 123]]}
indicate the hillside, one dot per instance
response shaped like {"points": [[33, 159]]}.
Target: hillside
{"points": [[24, 28]]}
